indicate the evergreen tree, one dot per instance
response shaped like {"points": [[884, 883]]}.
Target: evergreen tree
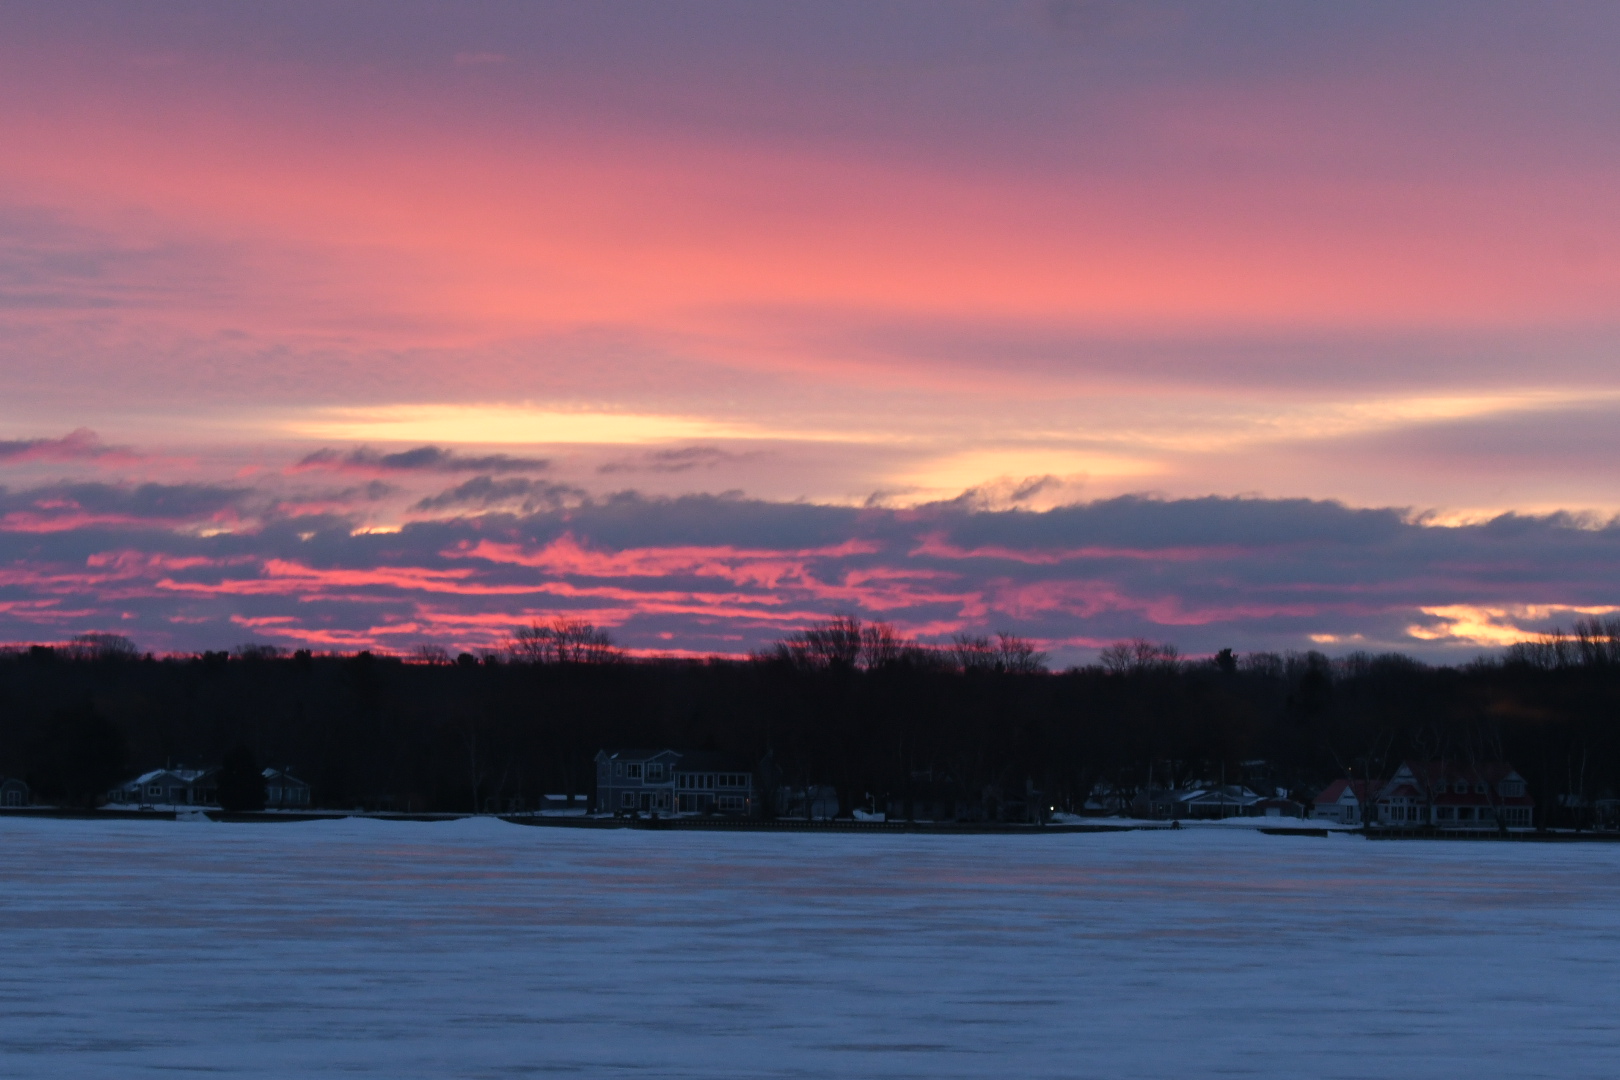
{"points": [[241, 784]]}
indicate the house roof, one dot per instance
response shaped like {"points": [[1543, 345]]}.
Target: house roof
{"points": [[685, 760], [635, 754], [185, 776], [1231, 794], [1436, 773], [283, 776], [1334, 792]]}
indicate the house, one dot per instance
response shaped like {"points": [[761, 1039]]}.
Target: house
{"points": [[284, 791], [13, 792], [674, 782], [1456, 795], [1279, 806], [1342, 802], [169, 787], [1218, 801]]}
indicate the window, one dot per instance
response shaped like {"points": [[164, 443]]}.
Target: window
{"points": [[1512, 788], [1481, 789], [633, 770], [618, 768], [628, 799], [1462, 787], [655, 771], [154, 791], [731, 803]]}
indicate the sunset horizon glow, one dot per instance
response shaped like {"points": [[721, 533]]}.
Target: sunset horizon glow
{"points": [[390, 325]]}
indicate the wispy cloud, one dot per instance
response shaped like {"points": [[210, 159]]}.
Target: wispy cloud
{"points": [[683, 459], [182, 565], [420, 459], [80, 445], [484, 492]]}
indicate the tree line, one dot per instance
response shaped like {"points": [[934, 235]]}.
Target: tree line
{"points": [[848, 704]]}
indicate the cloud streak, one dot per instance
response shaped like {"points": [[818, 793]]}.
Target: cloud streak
{"points": [[420, 459], [198, 566]]}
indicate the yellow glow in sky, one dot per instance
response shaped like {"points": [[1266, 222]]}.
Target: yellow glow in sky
{"points": [[507, 424]]}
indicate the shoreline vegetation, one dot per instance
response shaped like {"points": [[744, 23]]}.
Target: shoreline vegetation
{"points": [[886, 724]]}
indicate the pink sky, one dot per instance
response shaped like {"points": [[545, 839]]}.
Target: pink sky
{"points": [[839, 253]]}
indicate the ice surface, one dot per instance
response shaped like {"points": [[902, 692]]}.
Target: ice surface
{"points": [[480, 949]]}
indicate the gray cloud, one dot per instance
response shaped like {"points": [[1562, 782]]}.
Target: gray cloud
{"points": [[485, 491], [156, 502], [421, 459], [729, 573], [79, 445], [674, 461]]}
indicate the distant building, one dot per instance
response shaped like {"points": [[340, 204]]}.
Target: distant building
{"points": [[1439, 794], [1342, 801], [1279, 806], [13, 792], [674, 782], [284, 791], [1454, 795], [1197, 801], [169, 787]]}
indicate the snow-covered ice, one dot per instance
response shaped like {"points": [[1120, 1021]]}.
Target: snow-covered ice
{"points": [[479, 949]]}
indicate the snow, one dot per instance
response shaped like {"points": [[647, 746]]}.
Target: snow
{"points": [[474, 948]]}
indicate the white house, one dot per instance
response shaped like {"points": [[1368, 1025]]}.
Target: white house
{"points": [[1456, 795], [1342, 801]]}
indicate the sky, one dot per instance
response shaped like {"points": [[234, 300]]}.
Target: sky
{"points": [[374, 325]]}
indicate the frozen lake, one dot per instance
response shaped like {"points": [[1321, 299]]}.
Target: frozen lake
{"points": [[479, 949]]}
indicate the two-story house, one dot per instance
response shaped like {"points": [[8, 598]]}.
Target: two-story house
{"points": [[1456, 795], [669, 782]]}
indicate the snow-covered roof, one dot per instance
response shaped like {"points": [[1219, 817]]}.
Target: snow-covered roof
{"points": [[185, 776], [1336, 791]]}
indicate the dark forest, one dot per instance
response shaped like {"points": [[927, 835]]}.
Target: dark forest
{"points": [[850, 706]]}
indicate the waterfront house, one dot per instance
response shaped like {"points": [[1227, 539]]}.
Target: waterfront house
{"points": [[1342, 801], [1456, 795], [670, 782], [284, 791], [169, 787], [13, 792]]}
